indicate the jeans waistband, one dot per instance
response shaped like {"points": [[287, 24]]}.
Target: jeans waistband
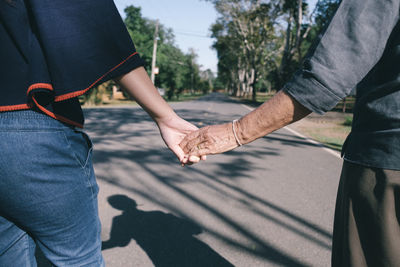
{"points": [[27, 120]]}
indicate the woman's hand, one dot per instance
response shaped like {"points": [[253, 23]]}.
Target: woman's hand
{"points": [[173, 130], [209, 140]]}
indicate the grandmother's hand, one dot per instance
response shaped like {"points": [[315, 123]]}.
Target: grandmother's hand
{"points": [[209, 140]]}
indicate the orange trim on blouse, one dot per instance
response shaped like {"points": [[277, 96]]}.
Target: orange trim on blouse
{"points": [[58, 98], [55, 116], [15, 107], [81, 92], [40, 86]]}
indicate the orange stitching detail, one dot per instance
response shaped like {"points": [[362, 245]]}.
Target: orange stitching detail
{"points": [[59, 98], [55, 116], [40, 86], [15, 107], [81, 92]]}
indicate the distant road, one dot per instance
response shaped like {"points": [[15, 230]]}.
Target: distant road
{"points": [[269, 203]]}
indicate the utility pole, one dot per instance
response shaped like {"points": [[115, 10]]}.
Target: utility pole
{"points": [[153, 62]]}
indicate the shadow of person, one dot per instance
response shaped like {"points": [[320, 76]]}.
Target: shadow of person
{"points": [[167, 239]]}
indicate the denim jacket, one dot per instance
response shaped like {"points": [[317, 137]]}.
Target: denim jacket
{"points": [[359, 49]]}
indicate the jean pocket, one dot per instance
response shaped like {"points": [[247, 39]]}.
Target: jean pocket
{"points": [[80, 145]]}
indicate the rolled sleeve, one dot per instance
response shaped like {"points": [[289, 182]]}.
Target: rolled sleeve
{"points": [[352, 44]]}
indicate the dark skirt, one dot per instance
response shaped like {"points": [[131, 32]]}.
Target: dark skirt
{"points": [[367, 218]]}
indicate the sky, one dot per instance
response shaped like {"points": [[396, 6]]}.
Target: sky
{"points": [[190, 20]]}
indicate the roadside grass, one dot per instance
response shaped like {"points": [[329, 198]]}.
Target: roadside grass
{"points": [[184, 97], [331, 129], [348, 120], [262, 97], [332, 136]]}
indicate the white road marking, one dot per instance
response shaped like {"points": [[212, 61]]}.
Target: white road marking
{"points": [[247, 107]]}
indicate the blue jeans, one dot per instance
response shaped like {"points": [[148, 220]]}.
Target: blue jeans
{"points": [[48, 193]]}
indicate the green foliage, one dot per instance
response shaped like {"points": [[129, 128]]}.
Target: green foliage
{"points": [[141, 31], [324, 11], [260, 44], [177, 71], [97, 95], [348, 121]]}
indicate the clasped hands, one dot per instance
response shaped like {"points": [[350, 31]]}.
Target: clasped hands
{"points": [[208, 140], [191, 144]]}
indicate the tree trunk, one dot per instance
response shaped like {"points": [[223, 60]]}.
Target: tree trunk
{"points": [[344, 105], [298, 30], [242, 85], [254, 86], [286, 52]]}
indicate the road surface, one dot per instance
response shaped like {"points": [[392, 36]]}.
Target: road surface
{"points": [[269, 203]]}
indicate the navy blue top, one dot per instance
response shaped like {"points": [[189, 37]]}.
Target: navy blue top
{"points": [[54, 50], [360, 48]]}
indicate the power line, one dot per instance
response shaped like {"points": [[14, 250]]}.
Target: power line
{"points": [[193, 34], [189, 31]]}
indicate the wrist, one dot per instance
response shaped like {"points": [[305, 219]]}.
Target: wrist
{"points": [[165, 118]]}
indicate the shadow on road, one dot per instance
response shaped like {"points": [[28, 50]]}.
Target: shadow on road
{"points": [[125, 125], [263, 249], [168, 240]]}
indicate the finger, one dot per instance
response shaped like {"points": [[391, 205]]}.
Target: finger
{"points": [[193, 139], [178, 153], [189, 138], [183, 145], [200, 153], [194, 159], [185, 159], [191, 145]]}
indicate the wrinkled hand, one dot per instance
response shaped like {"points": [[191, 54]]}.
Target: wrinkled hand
{"points": [[173, 131], [209, 140]]}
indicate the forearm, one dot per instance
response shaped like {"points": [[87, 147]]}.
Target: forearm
{"points": [[139, 86], [274, 114]]}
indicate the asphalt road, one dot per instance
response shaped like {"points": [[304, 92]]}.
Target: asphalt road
{"points": [[269, 203]]}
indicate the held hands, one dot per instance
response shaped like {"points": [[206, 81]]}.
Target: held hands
{"points": [[173, 130], [208, 140], [191, 144]]}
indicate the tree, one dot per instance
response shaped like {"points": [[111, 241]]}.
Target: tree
{"points": [[172, 73], [141, 30], [245, 43], [261, 43], [178, 71], [325, 9]]}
